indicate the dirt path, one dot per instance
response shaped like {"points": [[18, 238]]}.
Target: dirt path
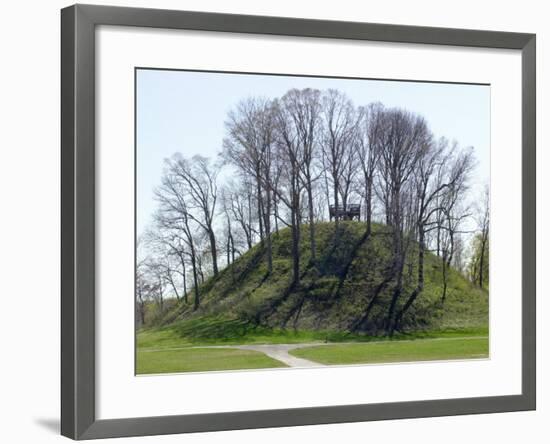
{"points": [[280, 353]]}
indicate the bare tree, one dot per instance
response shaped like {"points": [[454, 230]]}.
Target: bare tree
{"points": [[248, 146], [174, 214], [230, 242], [143, 286], [480, 272], [370, 127], [302, 110], [239, 203], [450, 211], [170, 256], [339, 130], [454, 215], [158, 281], [440, 179], [289, 156], [402, 143]]}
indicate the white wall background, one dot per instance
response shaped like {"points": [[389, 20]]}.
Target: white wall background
{"points": [[29, 219]]}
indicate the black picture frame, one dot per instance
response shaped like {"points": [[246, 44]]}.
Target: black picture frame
{"points": [[78, 23]]}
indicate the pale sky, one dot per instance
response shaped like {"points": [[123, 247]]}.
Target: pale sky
{"points": [[182, 111]]}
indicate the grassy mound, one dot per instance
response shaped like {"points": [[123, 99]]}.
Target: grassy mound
{"points": [[244, 303]]}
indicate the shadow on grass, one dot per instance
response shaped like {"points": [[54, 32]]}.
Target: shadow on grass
{"points": [[216, 329]]}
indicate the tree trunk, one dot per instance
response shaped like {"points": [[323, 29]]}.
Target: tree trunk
{"points": [[196, 302], [368, 203], [390, 324], [227, 251], [184, 280], [142, 312], [312, 242], [161, 295], [295, 229], [420, 284], [295, 252], [260, 208], [189, 235], [213, 250], [267, 225], [141, 306], [438, 232], [399, 262], [336, 204], [444, 270], [276, 213], [173, 285], [482, 260]]}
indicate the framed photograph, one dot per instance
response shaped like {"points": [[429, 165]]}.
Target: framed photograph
{"points": [[272, 222]]}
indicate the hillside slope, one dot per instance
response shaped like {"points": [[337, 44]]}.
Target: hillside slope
{"points": [[334, 294]]}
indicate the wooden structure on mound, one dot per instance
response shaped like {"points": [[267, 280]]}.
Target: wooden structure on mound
{"points": [[345, 212]]}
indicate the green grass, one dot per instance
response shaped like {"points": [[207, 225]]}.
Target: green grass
{"points": [[396, 351], [201, 360], [243, 304], [216, 330], [449, 345]]}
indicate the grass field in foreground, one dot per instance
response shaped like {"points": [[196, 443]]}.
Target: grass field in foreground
{"points": [[397, 351], [200, 360]]}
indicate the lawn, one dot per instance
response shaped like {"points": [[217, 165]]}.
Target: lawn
{"points": [[200, 360], [184, 347], [217, 330], [396, 351]]}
